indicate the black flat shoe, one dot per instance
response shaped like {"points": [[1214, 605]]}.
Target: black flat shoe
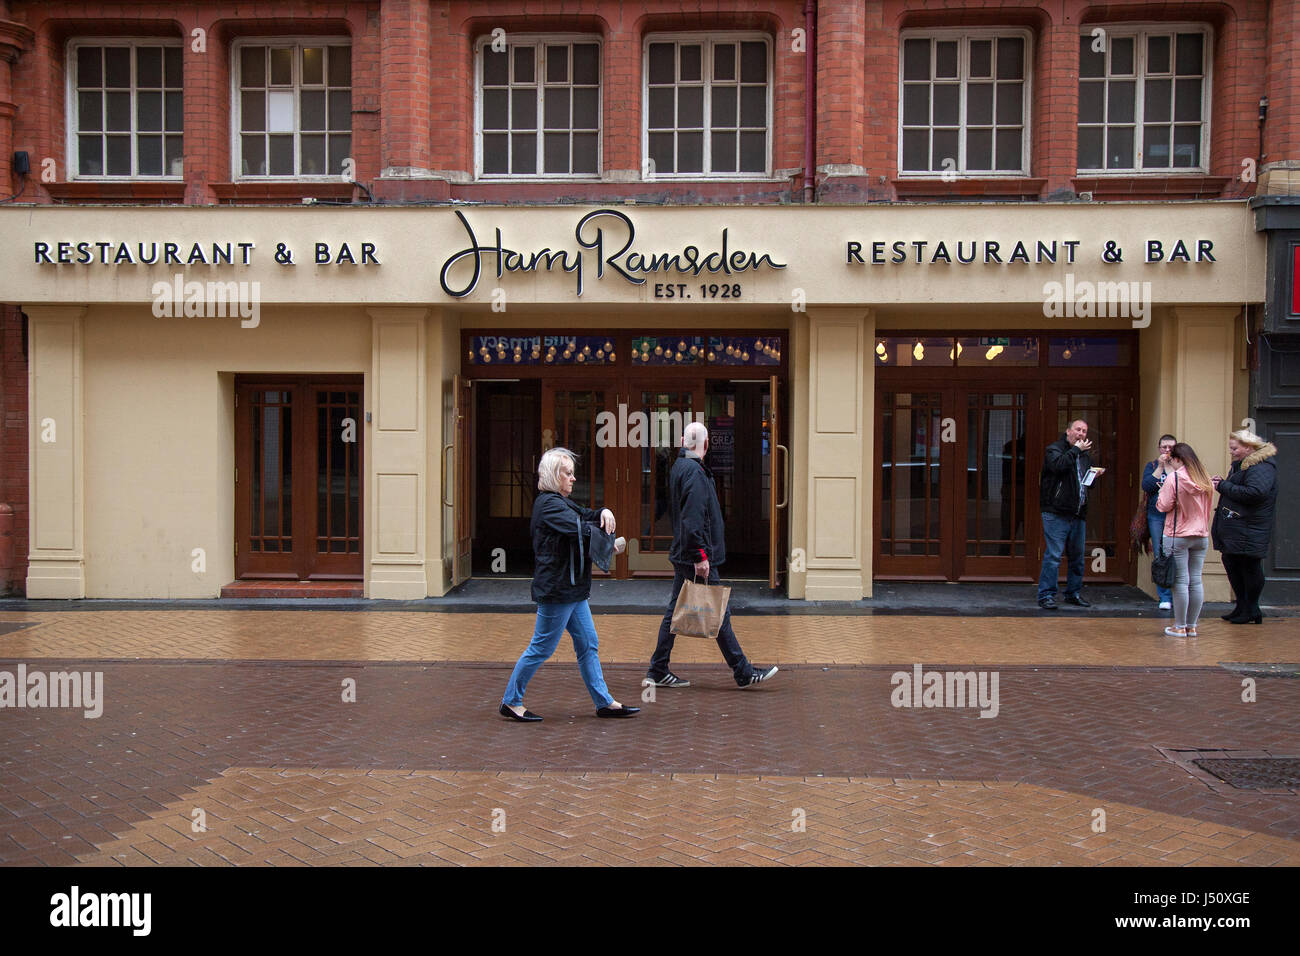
{"points": [[528, 717], [624, 711]]}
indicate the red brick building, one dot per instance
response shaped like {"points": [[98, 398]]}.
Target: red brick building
{"points": [[1012, 112]]}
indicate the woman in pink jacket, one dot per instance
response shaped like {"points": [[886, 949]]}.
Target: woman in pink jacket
{"points": [[1187, 494]]}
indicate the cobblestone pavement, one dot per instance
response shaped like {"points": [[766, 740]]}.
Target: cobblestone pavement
{"points": [[237, 720]]}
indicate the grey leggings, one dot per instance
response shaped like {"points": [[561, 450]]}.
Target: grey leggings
{"points": [[1188, 555]]}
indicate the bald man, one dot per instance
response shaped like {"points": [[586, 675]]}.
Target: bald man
{"points": [[698, 548]]}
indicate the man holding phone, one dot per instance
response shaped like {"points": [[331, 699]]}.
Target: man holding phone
{"points": [[1063, 497]]}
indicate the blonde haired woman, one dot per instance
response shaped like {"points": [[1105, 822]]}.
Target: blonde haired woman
{"points": [[1243, 522], [1187, 493], [561, 587]]}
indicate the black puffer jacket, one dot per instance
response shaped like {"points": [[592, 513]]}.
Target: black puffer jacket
{"points": [[695, 512], [1249, 491], [1058, 485], [562, 574]]}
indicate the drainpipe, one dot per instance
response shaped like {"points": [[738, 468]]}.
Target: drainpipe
{"points": [[810, 101]]}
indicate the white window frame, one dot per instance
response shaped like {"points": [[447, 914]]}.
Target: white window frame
{"points": [[707, 39], [1140, 31], [963, 78], [236, 106], [539, 41], [72, 100]]}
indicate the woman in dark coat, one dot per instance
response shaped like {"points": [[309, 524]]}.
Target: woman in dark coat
{"points": [[1243, 521], [561, 587]]}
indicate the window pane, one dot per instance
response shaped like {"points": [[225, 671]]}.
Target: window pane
{"points": [[584, 153], [119, 156], [495, 157], [172, 67], [524, 72], [724, 152], [117, 66], [252, 111], [691, 56], [281, 156], [313, 109], [586, 112], [556, 111], [174, 156], [1155, 146], [281, 66], [753, 63], [690, 153], [1190, 55], [1009, 153], [340, 150], [496, 68], [1120, 105], [174, 118], [916, 104], [916, 59], [279, 111], [555, 155], [916, 149], [1010, 108], [89, 66], [148, 67], [945, 147], [690, 106], [1187, 100], [313, 66], [1011, 58], [1157, 54], [661, 108], [313, 155], [252, 66], [661, 63], [753, 152], [523, 109], [254, 156], [341, 110], [496, 107], [340, 65], [724, 106], [148, 112], [1092, 63], [724, 61], [947, 104], [1157, 101], [90, 160], [979, 104], [119, 111], [1121, 56], [586, 64], [524, 158], [1090, 138], [661, 152], [979, 149], [557, 64], [1187, 146], [945, 59], [1119, 146], [981, 58], [753, 106], [90, 111]]}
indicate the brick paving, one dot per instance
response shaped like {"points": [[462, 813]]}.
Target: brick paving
{"points": [[266, 746]]}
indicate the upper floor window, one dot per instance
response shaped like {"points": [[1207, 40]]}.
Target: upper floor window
{"points": [[128, 110], [964, 104], [539, 108], [293, 109], [1143, 99], [708, 106]]}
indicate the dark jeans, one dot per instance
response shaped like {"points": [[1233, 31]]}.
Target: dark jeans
{"points": [[1246, 575], [1061, 534], [741, 669]]}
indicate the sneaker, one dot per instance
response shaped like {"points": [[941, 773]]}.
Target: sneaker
{"points": [[668, 680], [1166, 606], [759, 675]]}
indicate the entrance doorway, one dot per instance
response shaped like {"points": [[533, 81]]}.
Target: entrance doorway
{"points": [[298, 450]]}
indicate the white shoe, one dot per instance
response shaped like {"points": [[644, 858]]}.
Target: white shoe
{"points": [[1166, 606]]}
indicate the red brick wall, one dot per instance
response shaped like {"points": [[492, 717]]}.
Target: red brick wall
{"points": [[1281, 75], [13, 444]]}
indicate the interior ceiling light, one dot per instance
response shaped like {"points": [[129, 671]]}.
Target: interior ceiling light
{"points": [[918, 352]]}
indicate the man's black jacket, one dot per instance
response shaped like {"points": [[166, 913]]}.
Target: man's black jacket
{"points": [[1058, 486], [695, 512]]}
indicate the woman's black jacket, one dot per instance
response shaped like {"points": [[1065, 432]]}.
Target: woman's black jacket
{"points": [[563, 566]]}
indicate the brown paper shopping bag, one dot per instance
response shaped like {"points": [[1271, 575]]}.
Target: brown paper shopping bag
{"points": [[700, 610]]}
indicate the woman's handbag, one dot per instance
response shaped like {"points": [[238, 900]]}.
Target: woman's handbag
{"points": [[1139, 529], [1162, 565]]}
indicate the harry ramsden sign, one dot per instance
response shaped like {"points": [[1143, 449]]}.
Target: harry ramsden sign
{"points": [[610, 236]]}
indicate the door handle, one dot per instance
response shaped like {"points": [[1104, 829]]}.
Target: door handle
{"points": [[786, 500], [445, 502]]}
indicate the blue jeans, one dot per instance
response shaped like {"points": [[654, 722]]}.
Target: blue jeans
{"points": [[552, 620], [1156, 525], [1063, 535]]}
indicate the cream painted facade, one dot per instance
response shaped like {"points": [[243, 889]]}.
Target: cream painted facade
{"points": [[132, 416]]}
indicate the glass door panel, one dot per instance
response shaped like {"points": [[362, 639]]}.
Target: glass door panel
{"points": [[996, 443], [338, 478], [667, 411], [1107, 524], [909, 506]]}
